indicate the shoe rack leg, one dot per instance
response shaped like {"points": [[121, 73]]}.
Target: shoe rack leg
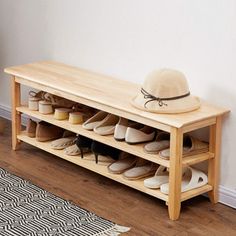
{"points": [[16, 116], [213, 166], [175, 173]]}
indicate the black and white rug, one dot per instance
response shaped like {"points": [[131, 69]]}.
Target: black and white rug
{"points": [[26, 209]]}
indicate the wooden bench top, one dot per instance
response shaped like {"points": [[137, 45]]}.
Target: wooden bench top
{"points": [[105, 90]]}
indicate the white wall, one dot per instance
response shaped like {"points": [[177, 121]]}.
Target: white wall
{"points": [[128, 39]]}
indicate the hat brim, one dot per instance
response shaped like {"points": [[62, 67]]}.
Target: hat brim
{"points": [[180, 105]]}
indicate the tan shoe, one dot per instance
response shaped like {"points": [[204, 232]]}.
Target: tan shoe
{"points": [[162, 142], [142, 169], [125, 162], [46, 132], [94, 121], [31, 128], [191, 146], [107, 125]]}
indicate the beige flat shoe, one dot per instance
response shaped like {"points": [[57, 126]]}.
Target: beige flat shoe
{"points": [[125, 162], [135, 136], [162, 142], [142, 169], [107, 125], [122, 126], [95, 120], [63, 143], [191, 146], [161, 177]]}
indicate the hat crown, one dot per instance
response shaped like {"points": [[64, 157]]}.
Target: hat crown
{"points": [[166, 83]]}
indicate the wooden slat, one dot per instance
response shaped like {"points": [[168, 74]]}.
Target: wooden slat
{"points": [[199, 124], [195, 192], [191, 160], [113, 94], [91, 165]]}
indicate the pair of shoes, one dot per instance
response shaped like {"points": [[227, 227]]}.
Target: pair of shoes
{"points": [[33, 100], [161, 142], [132, 167], [45, 103], [43, 131], [101, 123], [191, 146], [191, 179], [102, 152], [76, 115], [132, 132]]}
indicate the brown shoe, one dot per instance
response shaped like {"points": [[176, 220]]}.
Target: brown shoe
{"points": [[31, 128], [46, 132]]}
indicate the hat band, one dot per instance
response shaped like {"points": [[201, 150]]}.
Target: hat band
{"points": [[159, 100]]}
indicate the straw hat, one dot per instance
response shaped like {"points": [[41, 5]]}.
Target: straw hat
{"points": [[166, 91]]}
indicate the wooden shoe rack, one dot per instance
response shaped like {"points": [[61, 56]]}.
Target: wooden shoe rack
{"points": [[113, 96]]}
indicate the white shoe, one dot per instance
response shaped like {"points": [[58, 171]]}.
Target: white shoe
{"points": [[94, 121], [107, 125], [161, 177], [192, 178], [134, 136], [122, 126]]}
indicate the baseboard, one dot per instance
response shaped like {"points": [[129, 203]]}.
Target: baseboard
{"points": [[5, 112], [227, 196]]}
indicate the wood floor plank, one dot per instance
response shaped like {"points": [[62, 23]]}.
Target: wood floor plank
{"points": [[145, 215]]}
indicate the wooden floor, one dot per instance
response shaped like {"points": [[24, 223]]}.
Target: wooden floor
{"points": [[120, 204]]}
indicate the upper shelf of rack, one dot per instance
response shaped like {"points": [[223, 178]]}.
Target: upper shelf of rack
{"points": [[103, 92]]}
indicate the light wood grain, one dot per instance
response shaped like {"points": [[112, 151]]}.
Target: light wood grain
{"points": [[175, 175], [91, 165], [214, 163], [104, 90], [195, 192], [16, 117], [199, 124]]}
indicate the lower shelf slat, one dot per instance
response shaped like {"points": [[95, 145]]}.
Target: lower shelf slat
{"points": [[102, 169]]}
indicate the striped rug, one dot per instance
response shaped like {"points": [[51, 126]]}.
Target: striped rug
{"points": [[26, 209]]}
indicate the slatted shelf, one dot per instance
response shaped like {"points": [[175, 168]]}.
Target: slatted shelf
{"points": [[136, 150]]}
